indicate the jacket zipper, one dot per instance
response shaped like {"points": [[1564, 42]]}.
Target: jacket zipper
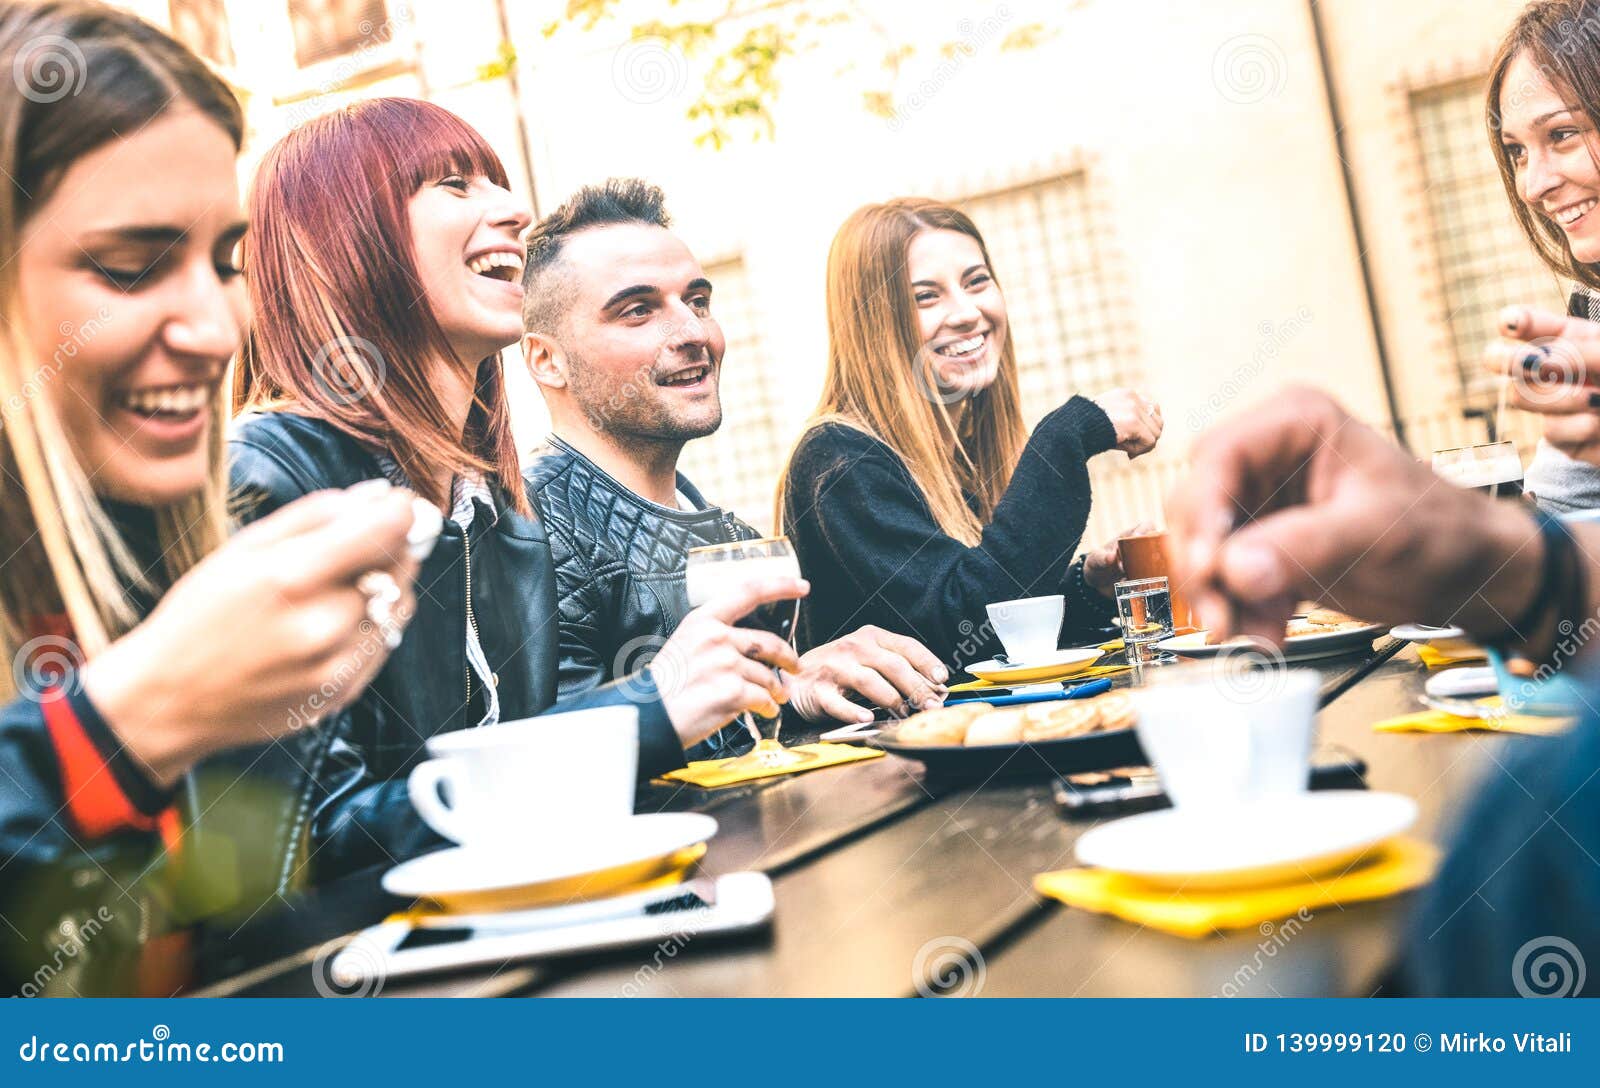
{"points": [[472, 621]]}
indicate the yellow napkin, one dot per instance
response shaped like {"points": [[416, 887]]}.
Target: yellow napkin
{"points": [[715, 773], [1093, 672], [1397, 866], [1439, 721], [1438, 659]]}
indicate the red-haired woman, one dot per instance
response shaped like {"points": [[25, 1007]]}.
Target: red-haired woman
{"points": [[126, 661], [384, 270]]}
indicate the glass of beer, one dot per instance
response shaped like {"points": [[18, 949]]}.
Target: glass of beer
{"points": [[1493, 468], [718, 568], [1146, 556]]}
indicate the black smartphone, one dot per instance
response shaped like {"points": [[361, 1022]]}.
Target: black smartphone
{"points": [[1090, 796]]}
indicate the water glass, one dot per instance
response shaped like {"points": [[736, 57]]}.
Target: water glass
{"points": [[1145, 605]]}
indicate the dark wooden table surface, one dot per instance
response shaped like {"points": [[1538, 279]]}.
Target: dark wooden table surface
{"points": [[880, 875]]}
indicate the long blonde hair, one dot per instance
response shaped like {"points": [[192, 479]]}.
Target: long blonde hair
{"points": [[64, 554], [880, 380]]}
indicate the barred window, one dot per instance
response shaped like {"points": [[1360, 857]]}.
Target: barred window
{"points": [[1049, 249], [737, 467], [324, 29], [1485, 262], [202, 25]]}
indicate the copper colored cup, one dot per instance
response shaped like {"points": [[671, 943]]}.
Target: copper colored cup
{"points": [[1146, 557]]}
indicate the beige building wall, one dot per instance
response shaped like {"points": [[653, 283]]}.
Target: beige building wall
{"points": [[1197, 137]]}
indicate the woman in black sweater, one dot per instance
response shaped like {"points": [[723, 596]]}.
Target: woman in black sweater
{"points": [[916, 496]]}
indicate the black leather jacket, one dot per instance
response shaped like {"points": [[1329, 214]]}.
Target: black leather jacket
{"points": [[352, 777], [619, 566]]}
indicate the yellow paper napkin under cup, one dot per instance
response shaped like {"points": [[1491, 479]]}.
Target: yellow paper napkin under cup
{"points": [[715, 773], [1439, 721], [1438, 659], [1396, 866]]}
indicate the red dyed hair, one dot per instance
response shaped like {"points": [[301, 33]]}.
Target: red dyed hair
{"points": [[339, 330]]}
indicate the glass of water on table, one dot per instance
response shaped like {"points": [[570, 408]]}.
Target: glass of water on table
{"points": [[1145, 606]]}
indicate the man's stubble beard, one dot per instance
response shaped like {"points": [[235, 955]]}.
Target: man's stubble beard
{"points": [[629, 410]]}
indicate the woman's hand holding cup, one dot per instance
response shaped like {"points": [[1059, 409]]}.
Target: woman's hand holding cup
{"points": [[286, 622]]}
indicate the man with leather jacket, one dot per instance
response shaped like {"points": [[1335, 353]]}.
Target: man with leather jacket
{"points": [[619, 333]]}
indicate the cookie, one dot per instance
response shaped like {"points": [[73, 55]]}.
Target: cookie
{"points": [[945, 725], [996, 727], [1116, 710], [1057, 721]]}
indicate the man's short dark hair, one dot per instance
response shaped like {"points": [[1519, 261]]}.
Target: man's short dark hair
{"points": [[547, 292]]}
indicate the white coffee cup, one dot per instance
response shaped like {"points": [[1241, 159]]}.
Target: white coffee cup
{"points": [[519, 780], [1221, 738], [1029, 628]]}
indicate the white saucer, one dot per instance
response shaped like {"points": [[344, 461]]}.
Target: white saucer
{"points": [[1267, 842], [1466, 683], [1416, 632], [1045, 667], [1452, 641], [514, 864], [1298, 648]]}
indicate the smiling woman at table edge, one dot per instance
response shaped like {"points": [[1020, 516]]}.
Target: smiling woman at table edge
{"points": [[1543, 109], [351, 374], [122, 595], [916, 496], [1297, 500]]}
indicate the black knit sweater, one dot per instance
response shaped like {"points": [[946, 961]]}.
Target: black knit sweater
{"points": [[868, 542]]}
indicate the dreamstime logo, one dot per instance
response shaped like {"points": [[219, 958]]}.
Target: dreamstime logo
{"points": [[649, 70], [349, 369], [949, 967], [666, 671], [1548, 967], [1249, 671], [1248, 69], [1275, 937], [377, 639], [48, 69], [373, 40], [973, 638], [75, 937], [355, 969], [1550, 370], [1273, 340], [953, 58], [1571, 638], [46, 662], [944, 380]]}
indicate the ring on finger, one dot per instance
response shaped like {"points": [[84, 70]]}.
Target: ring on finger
{"points": [[382, 593]]}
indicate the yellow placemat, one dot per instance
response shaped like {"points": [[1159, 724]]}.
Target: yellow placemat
{"points": [[1436, 659], [1397, 866], [1094, 672], [714, 773], [635, 876], [1439, 721]]}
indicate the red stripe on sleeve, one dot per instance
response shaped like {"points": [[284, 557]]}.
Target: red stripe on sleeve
{"points": [[95, 801]]}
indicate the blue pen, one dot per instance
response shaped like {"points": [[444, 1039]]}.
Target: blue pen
{"points": [[1079, 691]]}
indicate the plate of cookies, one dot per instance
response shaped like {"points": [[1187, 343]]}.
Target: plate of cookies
{"points": [[1321, 632], [1034, 740]]}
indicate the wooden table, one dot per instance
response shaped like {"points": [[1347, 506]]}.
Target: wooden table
{"points": [[880, 874]]}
